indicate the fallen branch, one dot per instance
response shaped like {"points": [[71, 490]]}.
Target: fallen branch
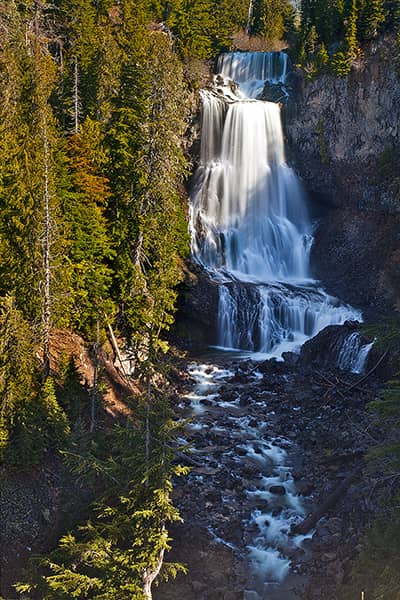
{"points": [[116, 350], [310, 522], [369, 372], [185, 458], [328, 460]]}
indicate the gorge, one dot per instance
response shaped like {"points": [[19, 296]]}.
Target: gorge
{"points": [[252, 234], [200, 296]]}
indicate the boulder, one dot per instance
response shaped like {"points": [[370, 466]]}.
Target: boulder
{"points": [[323, 350], [278, 490]]}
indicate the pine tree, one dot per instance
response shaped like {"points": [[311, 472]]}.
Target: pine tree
{"points": [[351, 32], [147, 170], [90, 247], [18, 384], [371, 18], [322, 58], [340, 64], [118, 554]]}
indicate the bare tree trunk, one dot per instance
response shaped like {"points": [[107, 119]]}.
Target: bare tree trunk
{"points": [[310, 522], [147, 441], [114, 344], [76, 96], [137, 252], [46, 307], [95, 378], [149, 576], [249, 16]]}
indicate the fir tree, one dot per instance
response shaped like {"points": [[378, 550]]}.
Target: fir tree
{"points": [[371, 18], [351, 32]]}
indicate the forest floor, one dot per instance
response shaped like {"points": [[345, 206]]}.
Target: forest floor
{"points": [[41, 502], [315, 420], [321, 422]]}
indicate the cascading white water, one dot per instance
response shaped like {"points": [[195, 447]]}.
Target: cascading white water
{"points": [[252, 72], [353, 354], [249, 220]]}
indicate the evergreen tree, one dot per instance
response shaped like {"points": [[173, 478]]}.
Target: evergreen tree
{"points": [[351, 31], [147, 168], [371, 18], [392, 14], [118, 554], [322, 58], [31, 420], [90, 250]]}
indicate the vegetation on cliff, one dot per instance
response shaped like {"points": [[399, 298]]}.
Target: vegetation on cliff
{"points": [[331, 33]]}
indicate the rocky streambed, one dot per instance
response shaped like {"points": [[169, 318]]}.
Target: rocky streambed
{"points": [[270, 443]]}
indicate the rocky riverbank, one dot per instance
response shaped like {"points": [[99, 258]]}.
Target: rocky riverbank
{"points": [[270, 443]]}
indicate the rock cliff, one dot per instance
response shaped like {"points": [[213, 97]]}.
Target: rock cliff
{"points": [[344, 141]]}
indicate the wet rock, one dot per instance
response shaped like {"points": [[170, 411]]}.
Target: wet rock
{"points": [[328, 556], [231, 595], [274, 92], [334, 525], [250, 595], [244, 400], [278, 490], [323, 349], [304, 487], [290, 358]]}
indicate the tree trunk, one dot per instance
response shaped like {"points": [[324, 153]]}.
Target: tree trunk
{"points": [[95, 378], [147, 442], [149, 576], [310, 522], [46, 306], [76, 96], [249, 16]]}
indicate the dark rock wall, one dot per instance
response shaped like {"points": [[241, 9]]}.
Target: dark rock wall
{"points": [[344, 141]]}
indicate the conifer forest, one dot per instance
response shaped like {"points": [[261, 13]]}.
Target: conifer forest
{"points": [[199, 299]]}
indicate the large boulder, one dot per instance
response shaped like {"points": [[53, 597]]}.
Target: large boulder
{"points": [[323, 350], [196, 319]]}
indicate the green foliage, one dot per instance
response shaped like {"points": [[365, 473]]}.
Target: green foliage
{"points": [[273, 19], [322, 58], [73, 396], [371, 18], [341, 26], [147, 166], [377, 569], [392, 14], [351, 31], [340, 64], [113, 555], [90, 250], [31, 422]]}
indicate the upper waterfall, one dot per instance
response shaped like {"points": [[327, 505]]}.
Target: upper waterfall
{"points": [[252, 69], [250, 224]]}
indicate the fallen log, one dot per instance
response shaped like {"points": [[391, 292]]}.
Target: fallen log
{"points": [[188, 460], [310, 522], [328, 460], [354, 385]]}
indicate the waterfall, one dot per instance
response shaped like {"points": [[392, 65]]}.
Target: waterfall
{"points": [[249, 222], [353, 354]]}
